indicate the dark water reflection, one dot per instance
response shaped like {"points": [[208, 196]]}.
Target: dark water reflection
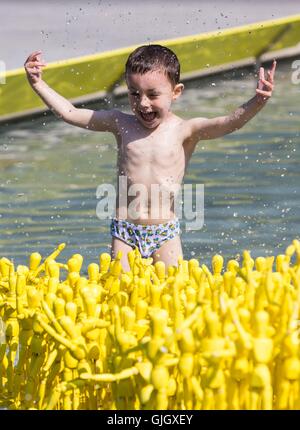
{"points": [[50, 172]]}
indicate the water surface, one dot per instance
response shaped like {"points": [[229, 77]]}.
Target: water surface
{"points": [[50, 172]]}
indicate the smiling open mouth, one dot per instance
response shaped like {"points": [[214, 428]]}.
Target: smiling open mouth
{"points": [[149, 116]]}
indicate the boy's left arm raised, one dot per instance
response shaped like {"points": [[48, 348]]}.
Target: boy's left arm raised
{"points": [[100, 120], [212, 128]]}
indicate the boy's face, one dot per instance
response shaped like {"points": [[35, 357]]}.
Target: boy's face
{"points": [[150, 96]]}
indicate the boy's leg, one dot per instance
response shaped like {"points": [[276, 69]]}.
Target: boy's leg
{"points": [[169, 252], [119, 245]]}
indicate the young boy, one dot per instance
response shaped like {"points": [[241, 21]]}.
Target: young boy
{"points": [[154, 145]]}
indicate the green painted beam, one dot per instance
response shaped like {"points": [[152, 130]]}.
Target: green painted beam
{"points": [[96, 74]]}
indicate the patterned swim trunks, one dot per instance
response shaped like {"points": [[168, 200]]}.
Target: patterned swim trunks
{"points": [[147, 238]]}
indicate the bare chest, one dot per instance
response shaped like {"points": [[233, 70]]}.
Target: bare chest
{"points": [[161, 150]]}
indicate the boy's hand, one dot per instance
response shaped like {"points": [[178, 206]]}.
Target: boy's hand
{"points": [[204, 128], [265, 86], [33, 66]]}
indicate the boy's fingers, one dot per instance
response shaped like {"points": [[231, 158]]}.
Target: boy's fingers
{"points": [[260, 83], [33, 55], [264, 93], [270, 77], [33, 66], [35, 63], [33, 73], [267, 83], [261, 73], [34, 69], [272, 71]]}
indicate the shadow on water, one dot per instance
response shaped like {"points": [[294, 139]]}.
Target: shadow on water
{"points": [[50, 172]]}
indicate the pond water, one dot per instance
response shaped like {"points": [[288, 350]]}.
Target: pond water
{"points": [[50, 172]]}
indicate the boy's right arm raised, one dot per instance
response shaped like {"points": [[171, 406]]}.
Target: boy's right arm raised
{"points": [[101, 120]]}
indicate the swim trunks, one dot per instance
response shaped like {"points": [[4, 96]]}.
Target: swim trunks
{"points": [[147, 238]]}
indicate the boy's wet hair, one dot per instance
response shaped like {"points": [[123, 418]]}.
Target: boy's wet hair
{"points": [[147, 58]]}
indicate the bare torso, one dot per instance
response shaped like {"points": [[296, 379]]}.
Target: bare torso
{"points": [[150, 159]]}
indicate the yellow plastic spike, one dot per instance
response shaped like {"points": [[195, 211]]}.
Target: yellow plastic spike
{"points": [[281, 265], [232, 266], [53, 269], [74, 265], [189, 339], [141, 309], [116, 269], [260, 264], [105, 260], [160, 270], [217, 264], [93, 272], [160, 377], [34, 261], [261, 392]]}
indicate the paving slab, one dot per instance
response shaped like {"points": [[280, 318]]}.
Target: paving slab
{"points": [[74, 28]]}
